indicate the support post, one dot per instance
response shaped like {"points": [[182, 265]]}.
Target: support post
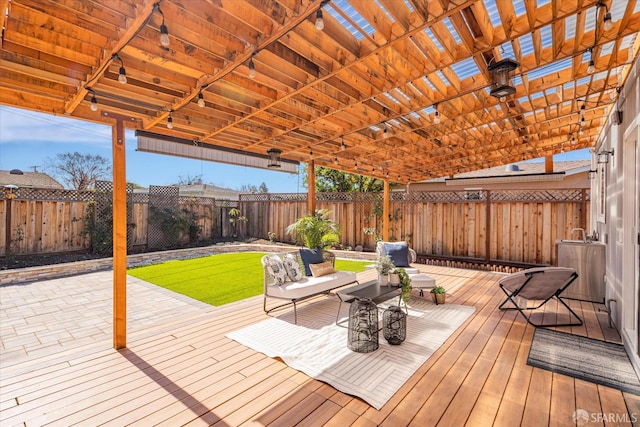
{"points": [[386, 209], [119, 232], [311, 195]]}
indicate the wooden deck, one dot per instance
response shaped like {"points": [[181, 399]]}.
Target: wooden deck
{"points": [[187, 373]]}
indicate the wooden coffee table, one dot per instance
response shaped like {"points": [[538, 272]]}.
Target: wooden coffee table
{"points": [[372, 290]]}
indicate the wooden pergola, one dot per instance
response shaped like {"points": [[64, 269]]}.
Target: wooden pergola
{"points": [[401, 90]]}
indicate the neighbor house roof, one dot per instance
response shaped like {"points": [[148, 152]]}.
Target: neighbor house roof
{"points": [[28, 179], [528, 168]]}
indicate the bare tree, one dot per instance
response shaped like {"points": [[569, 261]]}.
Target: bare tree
{"points": [[250, 188], [189, 180], [79, 171]]}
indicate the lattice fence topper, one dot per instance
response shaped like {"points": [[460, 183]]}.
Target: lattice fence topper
{"points": [[102, 227], [561, 195], [570, 195], [163, 210], [53, 194]]}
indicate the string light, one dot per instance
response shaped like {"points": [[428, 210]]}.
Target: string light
{"points": [[122, 73], [342, 146], [164, 32], [319, 20], [592, 64], [385, 133], [200, 100], [252, 69], [607, 21], [170, 121], [94, 102], [436, 118]]}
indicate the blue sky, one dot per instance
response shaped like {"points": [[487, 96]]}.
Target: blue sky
{"points": [[28, 138]]}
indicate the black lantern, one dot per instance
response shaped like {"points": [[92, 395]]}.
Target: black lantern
{"points": [[394, 325], [501, 74], [274, 157], [362, 335]]}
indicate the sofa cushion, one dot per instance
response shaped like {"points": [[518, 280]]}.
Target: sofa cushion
{"points": [[321, 269], [398, 252], [275, 268], [310, 256], [292, 267], [308, 286]]}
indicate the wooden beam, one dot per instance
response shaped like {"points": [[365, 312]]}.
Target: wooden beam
{"points": [[144, 10], [311, 194]]}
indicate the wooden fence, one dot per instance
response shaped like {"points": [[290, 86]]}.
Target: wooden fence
{"points": [[50, 221], [483, 226]]}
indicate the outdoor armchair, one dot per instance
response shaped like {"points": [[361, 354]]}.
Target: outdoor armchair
{"points": [[531, 289]]}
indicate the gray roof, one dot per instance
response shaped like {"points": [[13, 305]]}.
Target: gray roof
{"points": [[525, 168], [28, 179]]}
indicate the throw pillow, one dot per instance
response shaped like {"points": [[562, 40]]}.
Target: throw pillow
{"points": [[310, 256], [398, 252], [293, 268], [276, 269], [322, 269]]}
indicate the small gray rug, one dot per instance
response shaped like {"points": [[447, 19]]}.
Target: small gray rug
{"points": [[585, 358]]}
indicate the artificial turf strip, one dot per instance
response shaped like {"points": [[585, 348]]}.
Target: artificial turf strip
{"points": [[217, 279]]}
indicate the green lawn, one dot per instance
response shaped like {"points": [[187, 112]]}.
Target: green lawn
{"points": [[217, 279]]}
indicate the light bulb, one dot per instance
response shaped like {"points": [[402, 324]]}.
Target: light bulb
{"points": [[581, 131], [200, 100], [385, 133], [608, 23], [503, 98], [164, 35], [252, 69], [319, 20], [169, 122], [335, 160], [436, 118], [94, 103], [122, 75], [592, 67]]}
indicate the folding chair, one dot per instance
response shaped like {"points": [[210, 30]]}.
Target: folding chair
{"points": [[538, 284]]}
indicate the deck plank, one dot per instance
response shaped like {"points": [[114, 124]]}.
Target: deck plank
{"points": [[186, 372]]}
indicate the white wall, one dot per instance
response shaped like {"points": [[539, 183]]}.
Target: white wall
{"points": [[618, 227]]}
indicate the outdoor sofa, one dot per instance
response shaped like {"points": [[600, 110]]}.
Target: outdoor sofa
{"points": [[294, 285]]}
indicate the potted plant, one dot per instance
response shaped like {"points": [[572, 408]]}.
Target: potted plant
{"points": [[438, 294], [316, 231], [405, 284], [385, 267]]}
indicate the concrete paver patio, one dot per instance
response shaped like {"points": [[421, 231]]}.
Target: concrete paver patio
{"points": [[43, 317]]}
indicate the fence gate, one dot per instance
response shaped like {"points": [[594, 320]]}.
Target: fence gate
{"points": [[163, 211]]}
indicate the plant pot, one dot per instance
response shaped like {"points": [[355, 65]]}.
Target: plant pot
{"points": [[438, 298], [383, 279], [394, 279]]}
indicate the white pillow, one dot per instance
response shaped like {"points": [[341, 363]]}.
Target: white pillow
{"points": [[292, 267], [276, 269]]}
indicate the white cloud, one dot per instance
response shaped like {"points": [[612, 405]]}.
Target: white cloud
{"points": [[30, 127]]}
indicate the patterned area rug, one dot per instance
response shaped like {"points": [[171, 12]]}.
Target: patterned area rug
{"points": [[591, 360], [317, 347]]}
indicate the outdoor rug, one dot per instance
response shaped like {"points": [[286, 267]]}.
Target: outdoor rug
{"points": [[317, 347], [585, 358]]}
